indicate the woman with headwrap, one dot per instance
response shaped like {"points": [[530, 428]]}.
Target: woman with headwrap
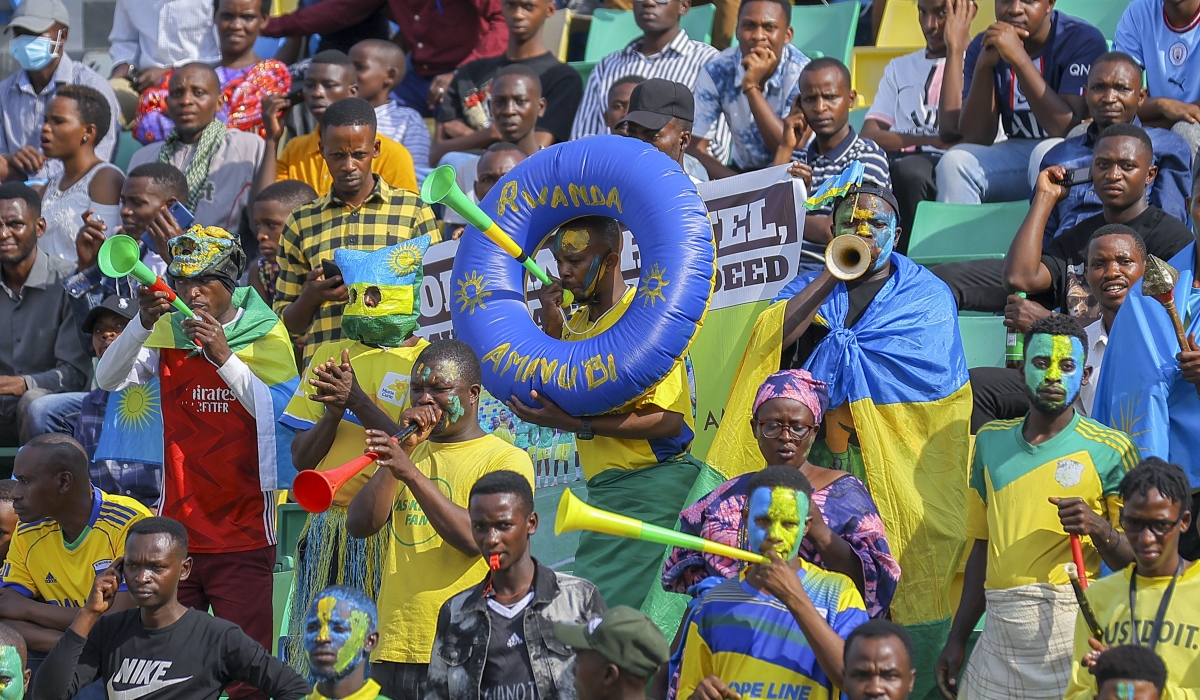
{"points": [[847, 538]]}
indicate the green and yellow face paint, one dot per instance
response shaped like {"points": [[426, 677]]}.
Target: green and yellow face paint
{"points": [[12, 675], [777, 514], [1054, 369]]}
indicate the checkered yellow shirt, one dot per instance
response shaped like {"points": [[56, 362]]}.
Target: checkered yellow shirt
{"points": [[390, 215]]}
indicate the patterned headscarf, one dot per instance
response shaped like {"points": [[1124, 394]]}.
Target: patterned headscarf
{"points": [[207, 252], [798, 385]]}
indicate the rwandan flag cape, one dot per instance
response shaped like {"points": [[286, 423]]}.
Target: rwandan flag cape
{"points": [[1141, 390], [259, 338], [902, 372]]}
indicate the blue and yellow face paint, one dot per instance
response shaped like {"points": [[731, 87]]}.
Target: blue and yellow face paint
{"points": [[12, 675], [337, 624], [384, 287], [778, 514], [1052, 360], [870, 217]]}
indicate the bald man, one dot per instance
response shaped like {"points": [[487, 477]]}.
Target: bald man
{"points": [[69, 532], [218, 189]]}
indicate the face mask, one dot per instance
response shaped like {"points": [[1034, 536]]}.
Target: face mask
{"points": [[1057, 348], [784, 512], [384, 287], [870, 217], [33, 52], [10, 666]]}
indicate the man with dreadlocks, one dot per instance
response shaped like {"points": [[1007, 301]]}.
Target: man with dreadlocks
{"points": [[624, 455], [886, 344], [353, 385], [218, 162], [213, 388]]}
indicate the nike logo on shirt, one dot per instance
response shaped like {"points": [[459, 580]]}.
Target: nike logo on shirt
{"points": [[147, 673]]}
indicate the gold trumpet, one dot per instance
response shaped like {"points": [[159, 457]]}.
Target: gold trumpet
{"points": [[574, 514], [848, 257]]}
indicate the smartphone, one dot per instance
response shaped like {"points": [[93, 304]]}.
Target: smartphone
{"points": [[1078, 176], [295, 97], [183, 217], [331, 269]]}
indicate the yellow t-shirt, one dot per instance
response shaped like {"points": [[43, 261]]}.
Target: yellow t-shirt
{"points": [[42, 566], [420, 570], [1179, 636], [1011, 481], [671, 394], [301, 160], [383, 374]]}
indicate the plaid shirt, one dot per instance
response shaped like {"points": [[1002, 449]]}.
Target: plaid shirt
{"points": [[134, 479], [389, 216]]}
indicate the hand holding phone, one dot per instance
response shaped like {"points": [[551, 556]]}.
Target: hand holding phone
{"points": [[330, 270], [1078, 176], [183, 217]]}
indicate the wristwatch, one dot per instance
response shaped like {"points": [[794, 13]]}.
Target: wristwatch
{"points": [[585, 429]]}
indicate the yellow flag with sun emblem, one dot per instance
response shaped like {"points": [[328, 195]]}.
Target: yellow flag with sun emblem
{"points": [[137, 412]]}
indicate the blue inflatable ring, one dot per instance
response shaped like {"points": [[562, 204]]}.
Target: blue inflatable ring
{"points": [[613, 176]]}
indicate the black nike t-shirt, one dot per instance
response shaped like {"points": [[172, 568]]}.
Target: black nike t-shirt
{"points": [[192, 659], [508, 673]]}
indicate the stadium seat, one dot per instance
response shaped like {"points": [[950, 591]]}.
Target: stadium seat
{"points": [[983, 340], [1104, 14], [289, 521], [866, 68], [827, 30], [611, 30], [858, 116], [126, 147], [556, 34], [901, 26], [698, 22], [280, 595], [953, 232], [583, 68]]}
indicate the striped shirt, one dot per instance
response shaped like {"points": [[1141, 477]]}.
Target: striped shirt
{"points": [[389, 215], [405, 126], [719, 95], [749, 639], [680, 61]]}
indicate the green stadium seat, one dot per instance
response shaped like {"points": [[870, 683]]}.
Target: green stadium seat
{"points": [[953, 232], [280, 595], [583, 68], [611, 30], [698, 22], [126, 147], [983, 340], [1104, 14], [858, 116], [825, 30], [289, 521]]}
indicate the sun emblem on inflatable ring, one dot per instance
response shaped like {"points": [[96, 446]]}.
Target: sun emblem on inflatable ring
{"points": [[472, 292], [652, 285]]}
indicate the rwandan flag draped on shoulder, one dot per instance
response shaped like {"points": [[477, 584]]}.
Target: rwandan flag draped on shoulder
{"points": [[1141, 390], [259, 339], [903, 376]]}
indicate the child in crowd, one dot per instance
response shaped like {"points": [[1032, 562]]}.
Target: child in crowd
{"points": [[617, 105], [8, 516], [1130, 672], [381, 66], [137, 480], [271, 210], [823, 107]]}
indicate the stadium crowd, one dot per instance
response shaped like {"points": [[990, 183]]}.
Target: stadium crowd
{"points": [[919, 528]]}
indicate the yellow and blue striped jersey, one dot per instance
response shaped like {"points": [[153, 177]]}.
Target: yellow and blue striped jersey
{"points": [[42, 566], [749, 639], [1012, 480]]}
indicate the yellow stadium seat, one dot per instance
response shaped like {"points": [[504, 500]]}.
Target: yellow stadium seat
{"points": [[866, 68], [901, 27]]}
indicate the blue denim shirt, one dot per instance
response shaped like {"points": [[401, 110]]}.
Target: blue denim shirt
{"points": [[1168, 192], [719, 91]]}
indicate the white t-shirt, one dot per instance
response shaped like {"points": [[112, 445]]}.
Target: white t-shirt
{"points": [[908, 96]]}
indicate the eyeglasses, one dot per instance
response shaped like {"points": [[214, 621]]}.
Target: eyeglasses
{"points": [[1160, 528], [772, 429]]}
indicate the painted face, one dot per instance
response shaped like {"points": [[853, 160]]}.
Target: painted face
{"points": [[384, 288], [199, 250], [443, 385], [334, 637], [1054, 371], [777, 516], [872, 218], [580, 260], [12, 676]]}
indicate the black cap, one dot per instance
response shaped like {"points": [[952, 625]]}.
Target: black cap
{"points": [[655, 102], [121, 306]]}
